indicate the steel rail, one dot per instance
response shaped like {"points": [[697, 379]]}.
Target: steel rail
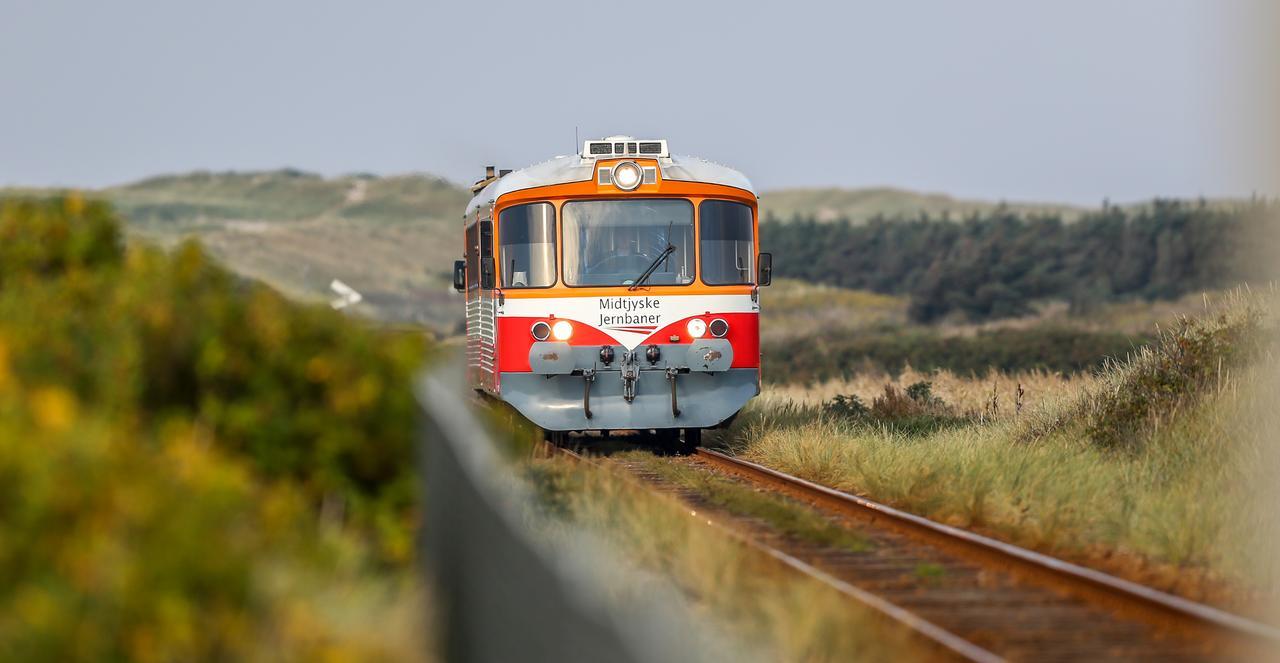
{"points": [[1150, 605]]}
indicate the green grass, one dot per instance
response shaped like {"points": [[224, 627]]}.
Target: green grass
{"points": [[785, 515], [1156, 470]]}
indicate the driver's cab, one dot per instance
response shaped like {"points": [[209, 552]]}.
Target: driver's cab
{"points": [[627, 242]]}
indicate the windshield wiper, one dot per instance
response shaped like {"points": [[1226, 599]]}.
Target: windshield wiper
{"points": [[653, 266]]}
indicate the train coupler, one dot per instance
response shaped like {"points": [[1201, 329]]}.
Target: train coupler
{"points": [[630, 374]]}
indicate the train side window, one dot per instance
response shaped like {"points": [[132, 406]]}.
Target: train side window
{"points": [[728, 247], [486, 254], [527, 251], [473, 256]]}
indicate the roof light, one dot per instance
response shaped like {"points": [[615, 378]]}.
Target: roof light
{"points": [[562, 330], [627, 175], [696, 327]]}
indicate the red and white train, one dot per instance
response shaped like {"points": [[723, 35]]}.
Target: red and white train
{"points": [[616, 289]]}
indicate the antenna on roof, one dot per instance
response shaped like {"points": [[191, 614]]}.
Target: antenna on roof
{"points": [[576, 145]]}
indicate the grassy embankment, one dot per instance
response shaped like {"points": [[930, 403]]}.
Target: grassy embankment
{"points": [[757, 604], [191, 466], [1155, 468]]}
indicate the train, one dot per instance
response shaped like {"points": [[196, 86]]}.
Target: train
{"points": [[617, 289]]}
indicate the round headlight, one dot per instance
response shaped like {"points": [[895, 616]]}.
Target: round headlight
{"points": [[696, 327], [719, 328], [627, 175], [562, 330], [540, 330]]}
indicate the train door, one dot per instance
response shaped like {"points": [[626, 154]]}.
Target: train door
{"points": [[481, 335]]}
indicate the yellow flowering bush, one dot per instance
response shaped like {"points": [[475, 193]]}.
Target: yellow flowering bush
{"points": [[190, 463]]}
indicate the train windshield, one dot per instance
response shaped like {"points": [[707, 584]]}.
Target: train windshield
{"points": [[613, 242], [527, 254], [728, 247]]}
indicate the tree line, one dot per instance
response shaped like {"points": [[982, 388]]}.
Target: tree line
{"points": [[997, 264]]}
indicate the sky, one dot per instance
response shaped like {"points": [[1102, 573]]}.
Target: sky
{"points": [[1068, 101]]}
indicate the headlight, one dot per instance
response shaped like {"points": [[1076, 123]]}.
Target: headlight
{"points": [[627, 175], [562, 330], [540, 330], [719, 328], [696, 328]]}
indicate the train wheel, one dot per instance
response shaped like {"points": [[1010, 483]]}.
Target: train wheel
{"points": [[689, 441], [667, 441]]}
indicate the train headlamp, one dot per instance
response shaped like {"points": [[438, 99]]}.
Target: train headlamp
{"points": [[719, 328], [696, 328], [627, 175], [562, 330], [540, 331]]}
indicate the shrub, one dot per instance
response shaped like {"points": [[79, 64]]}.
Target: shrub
{"points": [[846, 407], [1174, 372], [40, 238], [168, 433], [914, 411]]}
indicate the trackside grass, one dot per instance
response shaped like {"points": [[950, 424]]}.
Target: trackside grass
{"points": [[1156, 468], [762, 607]]}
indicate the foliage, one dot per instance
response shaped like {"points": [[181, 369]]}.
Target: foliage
{"points": [[168, 435], [1176, 371], [913, 411], [123, 545], [994, 264], [302, 392], [40, 239], [846, 406]]}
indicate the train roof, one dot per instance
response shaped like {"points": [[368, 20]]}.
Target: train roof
{"points": [[581, 168]]}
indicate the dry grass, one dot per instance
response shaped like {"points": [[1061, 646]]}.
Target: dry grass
{"points": [[1177, 507], [965, 394], [760, 606]]}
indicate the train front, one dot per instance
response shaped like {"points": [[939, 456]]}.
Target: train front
{"points": [[617, 289]]}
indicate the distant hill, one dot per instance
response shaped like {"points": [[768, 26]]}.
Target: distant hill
{"points": [[861, 204], [394, 238]]}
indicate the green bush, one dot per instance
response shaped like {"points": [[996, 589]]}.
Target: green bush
{"points": [[188, 460], [302, 392], [1176, 371], [913, 411], [120, 546], [47, 238]]}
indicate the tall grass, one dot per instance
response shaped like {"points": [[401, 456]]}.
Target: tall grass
{"points": [[1150, 469]]}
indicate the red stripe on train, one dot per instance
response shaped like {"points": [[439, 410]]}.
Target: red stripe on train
{"points": [[514, 339]]}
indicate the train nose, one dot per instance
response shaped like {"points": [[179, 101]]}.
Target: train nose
{"points": [[662, 386]]}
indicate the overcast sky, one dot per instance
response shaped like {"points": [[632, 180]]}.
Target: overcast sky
{"points": [[1066, 101]]}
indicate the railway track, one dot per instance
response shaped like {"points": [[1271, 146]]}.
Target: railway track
{"points": [[981, 599]]}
